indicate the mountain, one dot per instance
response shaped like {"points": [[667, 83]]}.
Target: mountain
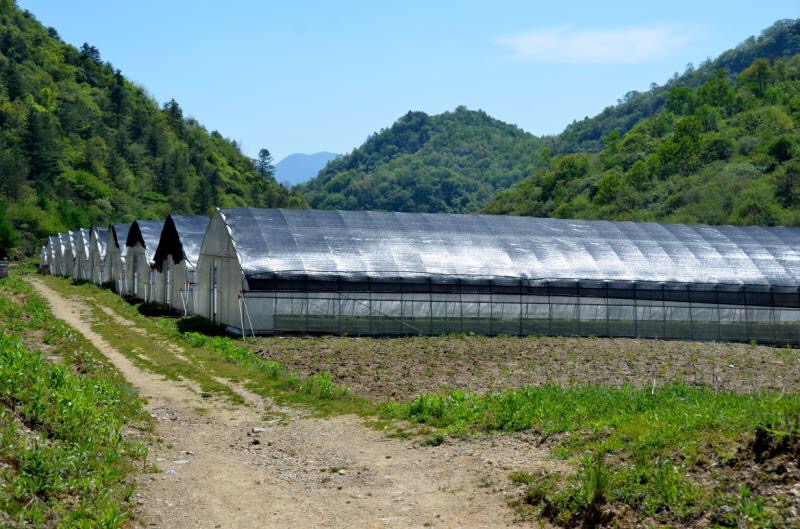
{"points": [[727, 151], [298, 168], [80, 144], [456, 161], [782, 39], [450, 162]]}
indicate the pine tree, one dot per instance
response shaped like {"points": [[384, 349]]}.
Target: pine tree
{"points": [[264, 165]]}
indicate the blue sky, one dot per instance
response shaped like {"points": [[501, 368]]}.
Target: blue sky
{"points": [[301, 76]]}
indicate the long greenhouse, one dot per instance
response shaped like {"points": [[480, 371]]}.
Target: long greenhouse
{"points": [[274, 271]]}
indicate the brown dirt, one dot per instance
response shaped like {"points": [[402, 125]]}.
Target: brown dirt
{"points": [[401, 368], [214, 472]]}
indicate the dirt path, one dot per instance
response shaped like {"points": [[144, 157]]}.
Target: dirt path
{"points": [[216, 471]]}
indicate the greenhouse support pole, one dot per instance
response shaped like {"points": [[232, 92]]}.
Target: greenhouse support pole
{"points": [[635, 312], [339, 296], [247, 313], [549, 311], [491, 309], [241, 316], [521, 287], [308, 304], [608, 309], [746, 315], [369, 306], [663, 312], [578, 307], [402, 309], [430, 302], [719, 316], [772, 312], [691, 316], [461, 304]]}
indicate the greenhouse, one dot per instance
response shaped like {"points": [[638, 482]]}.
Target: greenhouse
{"points": [[71, 255], [62, 247], [115, 256], [139, 272], [274, 271], [44, 261], [97, 254], [82, 248], [52, 256], [176, 260]]}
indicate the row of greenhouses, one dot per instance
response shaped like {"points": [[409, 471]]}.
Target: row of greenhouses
{"points": [[262, 271]]}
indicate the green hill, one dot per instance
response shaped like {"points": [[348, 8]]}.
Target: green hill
{"points": [[724, 152], [451, 162], [454, 162], [782, 39], [80, 144]]}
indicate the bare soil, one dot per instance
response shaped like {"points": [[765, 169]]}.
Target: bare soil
{"points": [[213, 470], [402, 368]]}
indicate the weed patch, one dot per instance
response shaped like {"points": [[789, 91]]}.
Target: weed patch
{"points": [[65, 459]]}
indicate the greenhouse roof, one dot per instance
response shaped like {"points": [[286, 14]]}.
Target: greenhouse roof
{"points": [[83, 241], [368, 245], [120, 234], [147, 233], [101, 236], [181, 238]]}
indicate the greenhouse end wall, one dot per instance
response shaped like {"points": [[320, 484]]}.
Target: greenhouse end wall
{"points": [[670, 311]]}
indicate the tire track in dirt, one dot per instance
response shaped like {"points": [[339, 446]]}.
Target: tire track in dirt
{"points": [[216, 471]]}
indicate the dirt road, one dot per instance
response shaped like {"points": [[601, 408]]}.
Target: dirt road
{"points": [[229, 467]]}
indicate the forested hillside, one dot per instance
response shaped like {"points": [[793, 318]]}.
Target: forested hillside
{"points": [[80, 144], [782, 39], [451, 162], [724, 152]]}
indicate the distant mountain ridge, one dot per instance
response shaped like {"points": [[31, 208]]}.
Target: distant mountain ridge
{"points": [[299, 167]]}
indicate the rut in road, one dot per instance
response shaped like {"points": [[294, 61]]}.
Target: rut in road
{"points": [[214, 472]]}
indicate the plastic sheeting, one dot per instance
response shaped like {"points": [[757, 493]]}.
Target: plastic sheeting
{"points": [[147, 233], [181, 238], [120, 234], [101, 236], [83, 243], [369, 246]]}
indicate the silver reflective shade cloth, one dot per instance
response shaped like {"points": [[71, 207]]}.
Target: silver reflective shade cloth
{"points": [[83, 242], [63, 242], [120, 233], [73, 242], [101, 236], [362, 245]]}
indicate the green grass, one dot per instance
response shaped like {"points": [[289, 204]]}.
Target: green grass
{"points": [[652, 438], [65, 462]]}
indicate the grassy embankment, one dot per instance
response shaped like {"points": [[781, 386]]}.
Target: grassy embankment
{"points": [[64, 461], [672, 454]]}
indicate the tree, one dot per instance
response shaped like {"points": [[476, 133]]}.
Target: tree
{"points": [[264, 165], [90, 52], [118, 98], [174, 116], [13, 173], [757, 77], [8, 235], [43, 148]]}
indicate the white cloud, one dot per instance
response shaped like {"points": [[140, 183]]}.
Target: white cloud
{"points": [[595, 46]]}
